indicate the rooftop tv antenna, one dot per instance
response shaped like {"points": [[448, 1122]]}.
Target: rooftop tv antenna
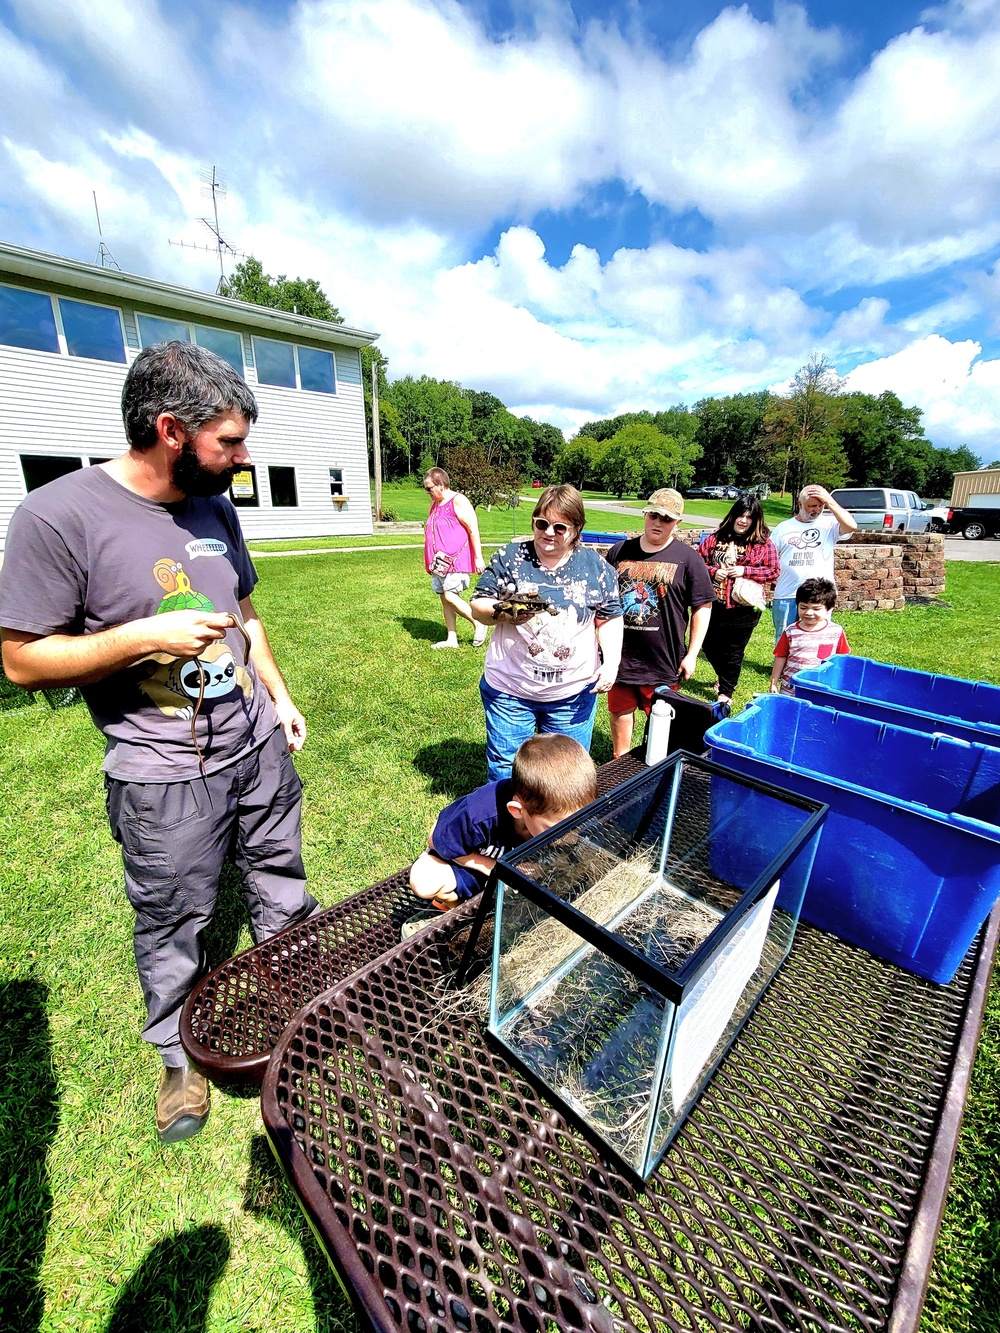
{"points": [[213, 186], [104, 256]]}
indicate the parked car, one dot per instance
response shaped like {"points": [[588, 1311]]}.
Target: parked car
{"points": [[883, 509], [974, 523], [938, 516], [712, 492]]}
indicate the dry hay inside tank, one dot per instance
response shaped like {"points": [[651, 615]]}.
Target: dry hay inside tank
{"points": [[665, 925], [593, 1032]]}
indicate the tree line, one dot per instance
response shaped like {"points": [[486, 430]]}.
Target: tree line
{"points": [[816, 432]]}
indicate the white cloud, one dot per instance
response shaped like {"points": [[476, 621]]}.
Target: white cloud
{"points": [[957, 390], [126, 44], [405, 132]]}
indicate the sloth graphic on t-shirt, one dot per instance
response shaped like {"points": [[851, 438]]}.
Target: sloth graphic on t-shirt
{"points": [[175, 683]]}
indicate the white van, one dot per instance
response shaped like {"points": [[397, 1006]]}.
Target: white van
{"points": [[882, 509]]}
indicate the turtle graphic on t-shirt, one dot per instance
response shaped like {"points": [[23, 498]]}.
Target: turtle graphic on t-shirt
{"points": [[179, 596], [173, 683]]}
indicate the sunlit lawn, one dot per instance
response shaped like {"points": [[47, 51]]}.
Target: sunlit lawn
{"points": [[100, 1227]]}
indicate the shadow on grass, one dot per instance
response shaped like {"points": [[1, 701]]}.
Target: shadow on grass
{"points": [[29, 1117], [427, 631], [267, 1194], [171, 1289], [13, 697], [454, 766]]}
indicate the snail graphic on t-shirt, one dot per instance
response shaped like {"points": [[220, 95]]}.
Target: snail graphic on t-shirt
{"points": [[174, 684]]}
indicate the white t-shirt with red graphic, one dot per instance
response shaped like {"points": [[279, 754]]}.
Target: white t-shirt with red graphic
{"points": [[807, 648]]}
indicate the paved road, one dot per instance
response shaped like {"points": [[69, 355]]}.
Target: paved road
{"points": [[957, 548]]}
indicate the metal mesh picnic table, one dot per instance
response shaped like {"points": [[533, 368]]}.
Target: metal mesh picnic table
{"points": [[234, 1017], [804, 1191]]}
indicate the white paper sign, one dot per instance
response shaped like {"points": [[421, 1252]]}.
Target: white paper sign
{"points": [[708, 1008]]}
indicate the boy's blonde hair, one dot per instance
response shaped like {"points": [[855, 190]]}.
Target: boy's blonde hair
{"points": [[553, 775]]}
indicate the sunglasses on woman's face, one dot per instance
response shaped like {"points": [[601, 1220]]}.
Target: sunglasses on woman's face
{"points": [[541, 525]]}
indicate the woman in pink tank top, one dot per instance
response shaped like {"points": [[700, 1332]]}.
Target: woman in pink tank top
{"points": [[452, 553]]}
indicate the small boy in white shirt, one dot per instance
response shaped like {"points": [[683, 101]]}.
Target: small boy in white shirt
{"points": [[812, 638]]}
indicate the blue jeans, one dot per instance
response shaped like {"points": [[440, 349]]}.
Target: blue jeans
{"points": [[510, 720], [784, 612]]}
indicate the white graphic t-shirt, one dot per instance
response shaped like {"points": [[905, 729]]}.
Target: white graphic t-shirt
{"points": [[805, 551]]}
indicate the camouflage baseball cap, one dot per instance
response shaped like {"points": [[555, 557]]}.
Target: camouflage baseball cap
{"points": [[665, 501]]}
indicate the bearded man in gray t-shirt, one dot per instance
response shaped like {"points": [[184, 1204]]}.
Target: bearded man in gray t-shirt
{"points": [[132, 581]]}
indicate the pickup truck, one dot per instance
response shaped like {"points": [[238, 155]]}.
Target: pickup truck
{"points": [[974, 523]]}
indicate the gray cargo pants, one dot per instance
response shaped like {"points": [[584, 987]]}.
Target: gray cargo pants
{"points": [[174, 838]]}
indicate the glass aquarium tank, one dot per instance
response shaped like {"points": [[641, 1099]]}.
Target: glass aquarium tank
{"points": [[632, 941]]}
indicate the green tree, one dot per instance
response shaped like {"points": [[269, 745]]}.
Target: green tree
{"points": [[300, 296], [803, 430], [609, 427], [433, 415], [884, 441], [395, 451], [945, 463], [542, 442], [485, 483], [731, 434], [574, 464], [638, 459]]}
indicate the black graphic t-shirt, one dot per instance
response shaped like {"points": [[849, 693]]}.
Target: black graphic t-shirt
{"points": [[85, 554], [658, 591]]}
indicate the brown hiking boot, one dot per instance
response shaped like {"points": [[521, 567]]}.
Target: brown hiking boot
{"points": [[181, 1104]]}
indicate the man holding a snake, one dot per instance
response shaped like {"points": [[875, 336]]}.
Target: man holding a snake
{"points": [[132, 581]]}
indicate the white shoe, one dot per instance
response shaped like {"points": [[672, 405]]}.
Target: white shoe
{"points": [[445, 643], [480, 636]]}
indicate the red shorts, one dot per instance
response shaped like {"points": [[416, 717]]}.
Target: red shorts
{"points": [[627, 698]]}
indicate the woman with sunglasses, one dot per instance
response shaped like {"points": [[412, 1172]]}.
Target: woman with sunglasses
{"points": [[544, 671], [739, 549]]}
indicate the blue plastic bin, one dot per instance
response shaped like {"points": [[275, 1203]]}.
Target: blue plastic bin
{"points": [[602, 538], [908, 865], [966, 709]]}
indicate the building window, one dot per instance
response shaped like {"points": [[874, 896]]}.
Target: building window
{"points": [[92, 330], [336, 481], [316, 370], [223, 343], [152, 330], [40, 469], [275, 363], [27, 320], [284, 494], [243, 489], [292, 367], [96, 462]]}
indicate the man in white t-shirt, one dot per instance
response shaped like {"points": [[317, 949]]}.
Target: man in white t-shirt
{"points": [[805, 544]]}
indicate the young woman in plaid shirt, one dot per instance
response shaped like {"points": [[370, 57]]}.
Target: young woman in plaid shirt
{"points": [[739, 548]]}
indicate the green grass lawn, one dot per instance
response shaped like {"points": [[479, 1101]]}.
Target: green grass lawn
{"points": [[103, 1229]]}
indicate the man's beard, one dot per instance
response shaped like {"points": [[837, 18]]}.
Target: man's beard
{"points": [[194, 480]]}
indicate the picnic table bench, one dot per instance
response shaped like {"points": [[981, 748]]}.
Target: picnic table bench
{"points": [[804, 1191], [234, 1017]]}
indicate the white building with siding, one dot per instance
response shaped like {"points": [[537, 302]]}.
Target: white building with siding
{"points": [[68, 332]]}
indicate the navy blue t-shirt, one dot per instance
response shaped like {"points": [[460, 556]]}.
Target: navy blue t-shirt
{"points": [[479, 822]]}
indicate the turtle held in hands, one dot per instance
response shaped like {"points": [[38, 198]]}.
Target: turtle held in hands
{"points": [[517, 600]]}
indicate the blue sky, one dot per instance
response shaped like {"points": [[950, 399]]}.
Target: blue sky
{"points": [[584, 208]]}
